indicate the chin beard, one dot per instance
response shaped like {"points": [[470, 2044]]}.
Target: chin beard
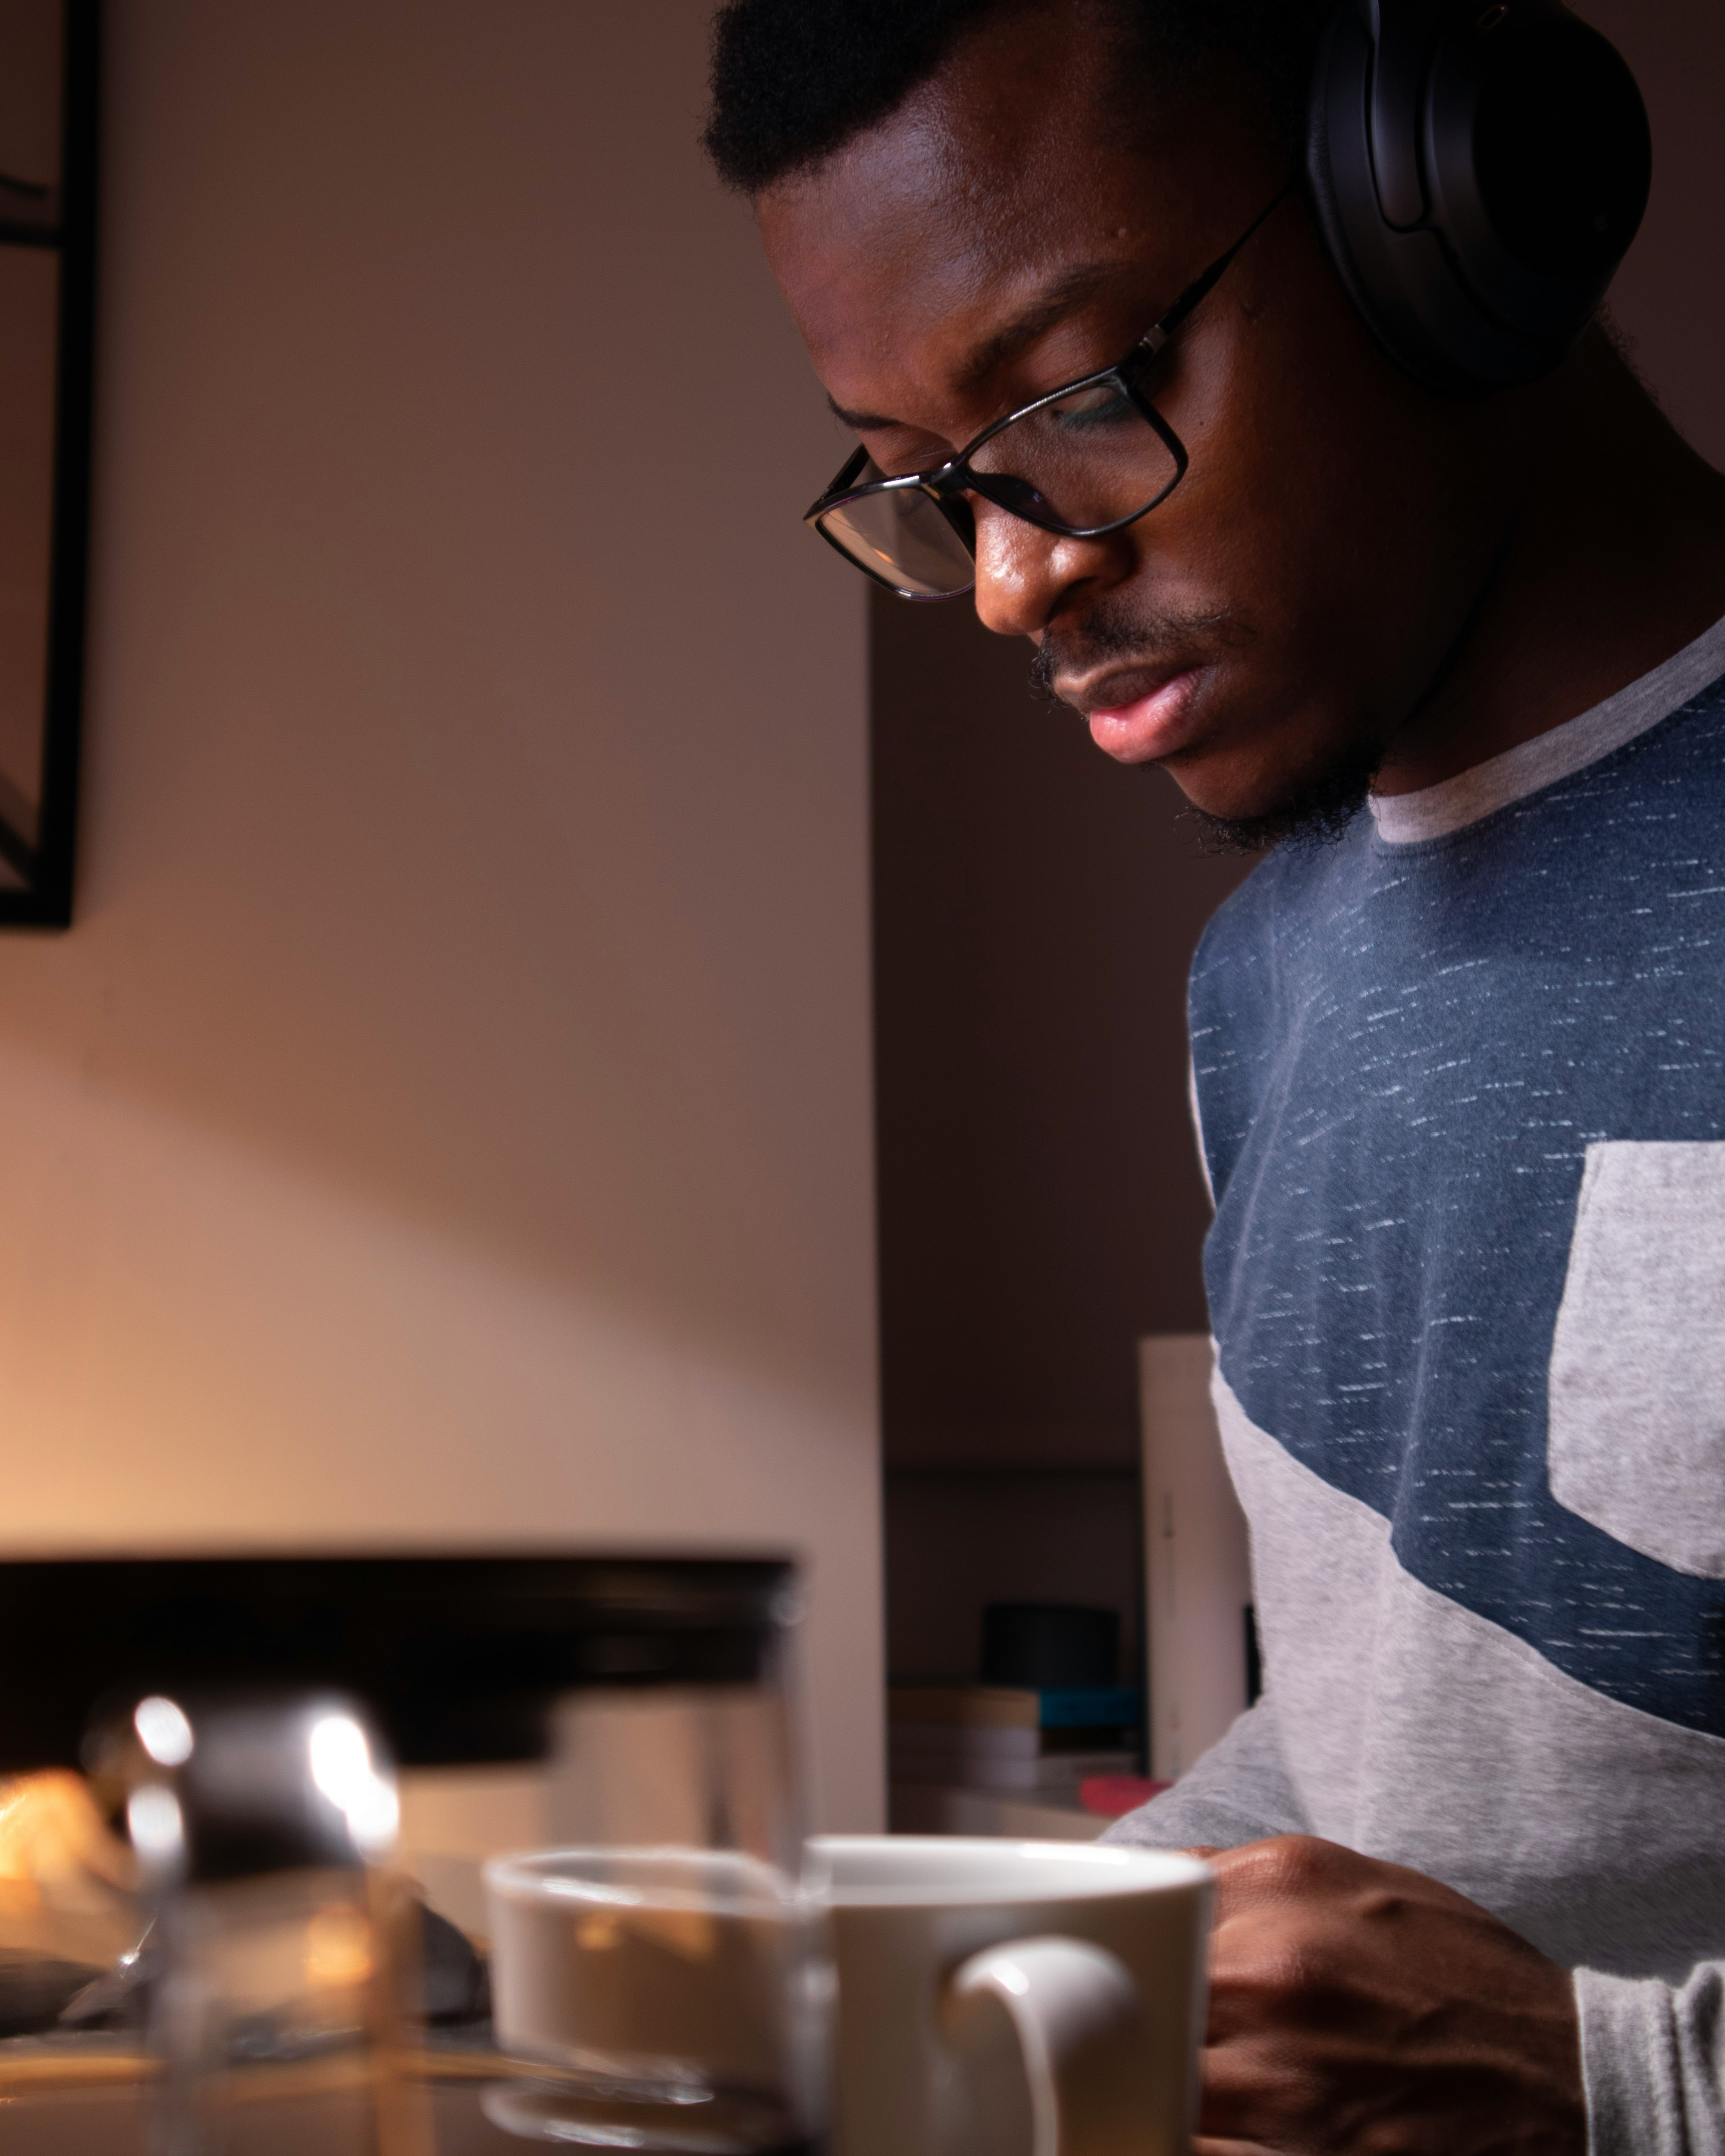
{"points": [[1316, 813]]}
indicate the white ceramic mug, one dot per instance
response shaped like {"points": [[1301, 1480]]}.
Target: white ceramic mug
{"points": [[1016, 1998], [995, 1998]]}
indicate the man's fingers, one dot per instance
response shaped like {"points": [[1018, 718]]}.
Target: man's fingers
{"points": [[1345, 1992]]}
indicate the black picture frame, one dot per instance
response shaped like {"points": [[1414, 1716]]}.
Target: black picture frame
{"points": [[39, 836]]}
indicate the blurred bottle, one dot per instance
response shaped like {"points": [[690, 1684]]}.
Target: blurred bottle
{"points": [[260, 1826]]}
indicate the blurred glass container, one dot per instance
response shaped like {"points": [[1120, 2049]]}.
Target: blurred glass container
{"points": [[662, 1973], [682, 1766], [469, 1664], [260, 1826]]}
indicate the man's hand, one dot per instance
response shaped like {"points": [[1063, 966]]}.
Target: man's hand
{"points": [[1361, 2010]]}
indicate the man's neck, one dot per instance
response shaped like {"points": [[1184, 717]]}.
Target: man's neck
{"points": [[1614, 559]]}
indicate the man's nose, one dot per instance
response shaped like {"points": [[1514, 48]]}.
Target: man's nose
{"points": [[1025, 576]]}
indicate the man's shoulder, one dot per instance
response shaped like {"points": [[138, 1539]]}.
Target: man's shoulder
{"points": [[1676, 765], [1689, 739]]}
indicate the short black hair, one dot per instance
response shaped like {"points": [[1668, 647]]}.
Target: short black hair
{"points": [[794, 80]]}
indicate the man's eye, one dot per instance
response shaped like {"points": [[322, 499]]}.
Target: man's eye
{"points": [[1102, 405]]}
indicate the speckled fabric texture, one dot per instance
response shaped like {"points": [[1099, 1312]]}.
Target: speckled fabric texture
{"points": [[1460, 1080]]}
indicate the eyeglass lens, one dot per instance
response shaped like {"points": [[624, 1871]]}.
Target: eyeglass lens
{"points": [[903, 538], [1086, 460]]}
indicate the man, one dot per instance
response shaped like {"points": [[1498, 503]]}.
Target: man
{"points": [[1460, 1071]]}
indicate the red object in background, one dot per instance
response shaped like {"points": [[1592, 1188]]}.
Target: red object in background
{"points": [[1111, 1796]]}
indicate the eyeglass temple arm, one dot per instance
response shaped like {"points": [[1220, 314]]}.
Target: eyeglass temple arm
{"points": [[1158, 335]]}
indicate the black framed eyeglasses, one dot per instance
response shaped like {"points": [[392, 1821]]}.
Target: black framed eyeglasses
{"points": [[1081, 460]]}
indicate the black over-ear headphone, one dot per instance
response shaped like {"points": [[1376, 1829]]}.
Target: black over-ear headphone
{"points": [[1479, 168]]}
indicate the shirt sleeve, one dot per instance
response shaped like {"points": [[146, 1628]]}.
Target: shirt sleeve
{"points": [[1653, 2058], [1238, 1792]]}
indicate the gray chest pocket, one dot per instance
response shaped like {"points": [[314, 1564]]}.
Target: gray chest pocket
{"points": [[1636, 1441]]}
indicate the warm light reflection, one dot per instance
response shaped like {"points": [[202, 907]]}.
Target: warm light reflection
{"points": [[66, 1882], [163, 1731], [51, 1830], [152, 1817], [342, 1768], [338, 1946]]}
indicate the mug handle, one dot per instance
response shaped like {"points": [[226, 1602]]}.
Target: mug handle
{"points": [[1081, 2028]]}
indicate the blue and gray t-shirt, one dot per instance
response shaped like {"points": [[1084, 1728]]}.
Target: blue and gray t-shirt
{"points": [[1461, 1082]]}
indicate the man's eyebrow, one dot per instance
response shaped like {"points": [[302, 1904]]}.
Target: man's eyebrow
{"points": [[1073, 287], [866, 422]]}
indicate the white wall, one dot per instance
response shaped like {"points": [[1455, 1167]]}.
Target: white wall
{"points": [[448, 1122]]}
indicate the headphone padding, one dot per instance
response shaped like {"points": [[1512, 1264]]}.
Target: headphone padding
{"points": [[1461, 334]]}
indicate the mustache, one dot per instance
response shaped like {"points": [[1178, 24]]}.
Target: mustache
{"points": [[1162, 639]]}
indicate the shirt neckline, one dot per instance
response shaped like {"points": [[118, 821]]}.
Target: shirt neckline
{"points": [[1433, 812]]}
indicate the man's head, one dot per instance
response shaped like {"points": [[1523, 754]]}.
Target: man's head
{"points": [[968, 204]]}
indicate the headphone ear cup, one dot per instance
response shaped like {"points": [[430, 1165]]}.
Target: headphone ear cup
{"points": [[1342, 190], [1535, 156], [1401, 281], [1540, 160]]}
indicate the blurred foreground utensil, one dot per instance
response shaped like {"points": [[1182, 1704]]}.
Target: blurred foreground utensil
{"points": [[260, 1826]]}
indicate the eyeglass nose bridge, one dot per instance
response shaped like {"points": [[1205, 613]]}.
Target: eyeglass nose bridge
{"points": [[950, 488], [992, 488]]}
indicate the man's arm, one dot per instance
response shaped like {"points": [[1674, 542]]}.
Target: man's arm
{"points": [[1344, 1991], [1654, 2059], [1328, 1964], [1238, 1792]]}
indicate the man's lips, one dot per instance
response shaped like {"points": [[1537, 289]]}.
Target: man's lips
{"points": [[1155, 718]]}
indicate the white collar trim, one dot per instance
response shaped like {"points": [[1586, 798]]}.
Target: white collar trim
{"points": [[1453, 803]]}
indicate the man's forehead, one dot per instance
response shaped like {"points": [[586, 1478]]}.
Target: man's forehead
{"points": [[975, 266], [1002, 195], [967, 345], [975, 170]]}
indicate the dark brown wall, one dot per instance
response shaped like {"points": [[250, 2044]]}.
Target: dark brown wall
{"points": [[1670, 295], [1035, 907]]}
